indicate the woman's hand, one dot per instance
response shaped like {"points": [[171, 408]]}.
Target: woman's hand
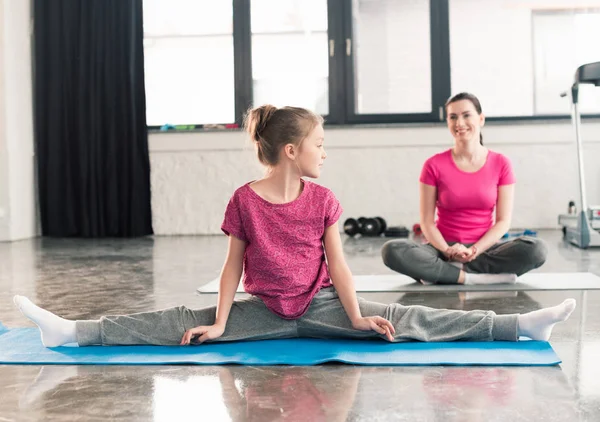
{"points": [[455, 250], [375, 323], [202, 333], [468, 255]]}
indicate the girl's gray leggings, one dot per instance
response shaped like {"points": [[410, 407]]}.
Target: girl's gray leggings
{"points": [[250, 319]]}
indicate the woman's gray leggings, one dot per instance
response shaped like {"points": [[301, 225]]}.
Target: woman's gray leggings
{"points": [[424, 262]]}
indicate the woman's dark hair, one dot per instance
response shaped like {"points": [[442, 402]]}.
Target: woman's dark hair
{"points": [[470, 97]]}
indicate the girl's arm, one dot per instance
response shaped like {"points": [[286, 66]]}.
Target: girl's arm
{"points": [[230, 279], [341, 277]]}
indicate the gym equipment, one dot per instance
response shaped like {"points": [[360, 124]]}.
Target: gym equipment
{"points": [[582, 229], [526, 232], [22, 346], [369, 227], [396, 231], [417, 229], [372, 227], [351, 227], [383, 224]]}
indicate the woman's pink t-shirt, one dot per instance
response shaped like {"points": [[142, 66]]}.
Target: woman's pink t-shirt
{"points": [[466, 201], [284, 261]]}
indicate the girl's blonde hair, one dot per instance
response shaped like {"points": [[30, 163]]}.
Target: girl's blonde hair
{"points": [[271, 128]]}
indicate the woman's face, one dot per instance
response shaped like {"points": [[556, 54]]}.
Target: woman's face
{"points": [[464, 122]]}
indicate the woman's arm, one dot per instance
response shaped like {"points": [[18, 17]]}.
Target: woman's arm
{"points": [[428, 198], [230, 279], [341, 277], [504, 208]]}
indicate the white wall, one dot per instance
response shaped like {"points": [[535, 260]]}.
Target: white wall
{"points": [[373, 171], [18, 213], [4, 199]]}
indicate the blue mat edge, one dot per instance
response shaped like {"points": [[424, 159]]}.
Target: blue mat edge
{"points": [[540, 345], [315, 363]]}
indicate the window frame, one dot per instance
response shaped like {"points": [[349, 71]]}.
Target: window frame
{"points": [[440, 71]]}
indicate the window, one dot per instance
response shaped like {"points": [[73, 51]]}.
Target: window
{"points": [[188, 49], [365, 61], [289, 53], [490, 55], [563, 41], [392, 56], [518, 57]]}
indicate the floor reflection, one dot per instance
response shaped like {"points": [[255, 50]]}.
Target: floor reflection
{"points": [[316, 393]]}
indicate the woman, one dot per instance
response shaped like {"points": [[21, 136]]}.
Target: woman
{"points": [[466, 185]]}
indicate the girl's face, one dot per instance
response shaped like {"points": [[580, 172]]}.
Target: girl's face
{"points": [[311, 153]]}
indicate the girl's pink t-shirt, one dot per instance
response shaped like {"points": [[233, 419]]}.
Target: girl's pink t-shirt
{"points": [[284, 260], [466, 201]]}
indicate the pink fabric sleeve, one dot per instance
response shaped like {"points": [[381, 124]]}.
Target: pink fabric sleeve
{"points": [[428, 175], [507, 175], [232, 222], [333, 209]]}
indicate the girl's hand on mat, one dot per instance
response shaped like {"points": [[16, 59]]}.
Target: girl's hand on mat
{"points": [[202, 333], [375, 323]]}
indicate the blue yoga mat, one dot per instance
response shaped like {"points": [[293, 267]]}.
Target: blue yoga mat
{"points": [[23, 346]]}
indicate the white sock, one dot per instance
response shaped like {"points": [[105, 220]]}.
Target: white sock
{"points": [[475, 278], [537, 325], [55, 330]]}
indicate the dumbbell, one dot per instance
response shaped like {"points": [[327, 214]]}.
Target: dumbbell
{"points": [[351, 227], [382, 222], [370, 227], [373, 226]]}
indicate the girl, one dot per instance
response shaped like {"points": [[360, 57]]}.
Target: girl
{"points": [[465, 185], [284, 238]]}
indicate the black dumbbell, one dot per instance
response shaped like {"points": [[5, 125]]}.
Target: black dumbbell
{"points": [[365, 226], [383, 224], [361, 221], [371, 227], [351, 227]]}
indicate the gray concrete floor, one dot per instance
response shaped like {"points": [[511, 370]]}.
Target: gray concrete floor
{"points": [[80, 279]]}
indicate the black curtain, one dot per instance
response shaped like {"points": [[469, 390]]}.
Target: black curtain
{"points": [[90, 118]]}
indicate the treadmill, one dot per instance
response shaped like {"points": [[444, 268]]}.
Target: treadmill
{"points": [[582, 229]]}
